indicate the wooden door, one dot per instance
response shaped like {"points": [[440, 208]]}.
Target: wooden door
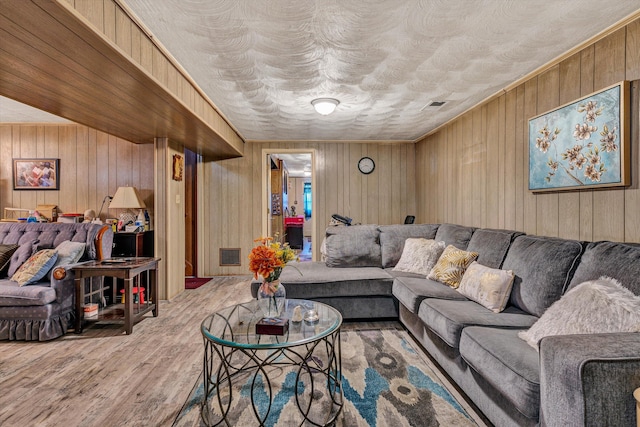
{"points": [[190, 213]]}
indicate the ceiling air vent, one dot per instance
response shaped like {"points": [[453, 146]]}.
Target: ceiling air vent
{"points": [[436, 104], [433, 104], [229, 256]]}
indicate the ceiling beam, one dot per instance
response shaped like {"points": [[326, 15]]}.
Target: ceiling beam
{"points": [[51, 59]]}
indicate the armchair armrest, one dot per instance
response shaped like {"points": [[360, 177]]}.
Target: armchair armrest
{"points": [[589, 379]]}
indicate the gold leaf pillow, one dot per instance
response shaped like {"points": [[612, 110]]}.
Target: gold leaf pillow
{"points": [[451, 266], [489, 287]]}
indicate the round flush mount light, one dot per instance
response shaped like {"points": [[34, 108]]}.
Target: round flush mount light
{"points": [[325, 106]]}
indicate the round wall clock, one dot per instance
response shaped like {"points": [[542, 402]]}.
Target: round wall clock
{"points": [[366, 165]]}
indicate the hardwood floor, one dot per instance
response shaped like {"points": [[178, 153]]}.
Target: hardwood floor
{"points": [[106, 378]]}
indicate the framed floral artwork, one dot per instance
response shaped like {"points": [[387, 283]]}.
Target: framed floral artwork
{"points": [[583, 144], [36, 174]]}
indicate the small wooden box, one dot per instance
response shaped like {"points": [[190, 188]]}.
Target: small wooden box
{"points": [[48, 211], [272, 326]]}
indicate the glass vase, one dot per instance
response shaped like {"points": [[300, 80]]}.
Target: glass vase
{"points": [[271, 299]]}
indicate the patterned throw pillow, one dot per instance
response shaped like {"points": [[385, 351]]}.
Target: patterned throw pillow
{"points": [[6, 251], [489, 287], [419, 255], [36, 267], [20, 256], [451, 266]]}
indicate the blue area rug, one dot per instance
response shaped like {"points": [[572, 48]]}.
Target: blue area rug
{"points": [[386, 382]]}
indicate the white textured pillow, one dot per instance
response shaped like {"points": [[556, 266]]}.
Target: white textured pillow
{"points": [[596, 306], [69, 252], [419, 255], [490, 287]]}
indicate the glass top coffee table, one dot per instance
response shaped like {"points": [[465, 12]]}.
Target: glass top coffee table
{"points": [[300, 369]]}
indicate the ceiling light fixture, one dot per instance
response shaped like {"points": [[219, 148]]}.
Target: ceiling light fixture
{"points": [[325, 106]]}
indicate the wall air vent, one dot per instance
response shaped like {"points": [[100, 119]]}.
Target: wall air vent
{"points": [[229, 257]]}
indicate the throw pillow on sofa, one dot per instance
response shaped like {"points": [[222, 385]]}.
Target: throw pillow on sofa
{"points": [[596, 306], [419, 255], [69, 252], [489, 287], [36, 267], [21, 255], [451, 266], [6, 252]]}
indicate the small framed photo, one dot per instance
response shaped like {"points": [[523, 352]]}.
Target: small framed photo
{"points": [[36, 174], [178, 167]]}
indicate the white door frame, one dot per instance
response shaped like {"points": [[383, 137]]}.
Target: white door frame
{"points": [[266, 176]]}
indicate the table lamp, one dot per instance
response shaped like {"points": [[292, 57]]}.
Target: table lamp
{"points": [[128, 198]]}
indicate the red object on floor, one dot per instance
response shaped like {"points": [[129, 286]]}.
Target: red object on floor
{"points": [[195, 282], [134, 291]]}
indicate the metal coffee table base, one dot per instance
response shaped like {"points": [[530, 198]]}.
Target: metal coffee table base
{"points": [[318, 370]]}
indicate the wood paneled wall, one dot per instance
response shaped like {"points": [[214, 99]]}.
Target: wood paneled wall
{"points": [[170, 220], [93, 165], [474, 171], [232, 196]]}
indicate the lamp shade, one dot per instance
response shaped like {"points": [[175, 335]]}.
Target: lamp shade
{"points": [[325, 106], [126, 198]]}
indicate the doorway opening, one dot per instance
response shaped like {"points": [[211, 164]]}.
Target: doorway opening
{"points": [[191, 160], [289, 198]]}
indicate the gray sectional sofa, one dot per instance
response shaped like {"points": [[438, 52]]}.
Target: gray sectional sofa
{"points": [[45, 310], [571, 380]]}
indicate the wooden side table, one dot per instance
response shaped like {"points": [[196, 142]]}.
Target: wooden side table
{"points": [[126, 269]]}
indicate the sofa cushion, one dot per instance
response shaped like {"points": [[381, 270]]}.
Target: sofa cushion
{"points": [[419, 256], [20, 256], [491, 245], [448, 318], [506, 362], [410, 291], [451, 266], [12, 294], [69, 252], [354, 246], [489, 287], [316, 280], [456, 235], [616, 260], [543, 267], [6, 252], [593, 307], [392, 238], [36, 267], [50, 235]]}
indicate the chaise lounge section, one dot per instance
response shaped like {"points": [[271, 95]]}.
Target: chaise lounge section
{"points": [[583, 379]]}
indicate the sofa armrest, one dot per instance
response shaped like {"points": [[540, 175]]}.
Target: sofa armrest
{"points": [[589, 379], [63, 281], [104, 242]]}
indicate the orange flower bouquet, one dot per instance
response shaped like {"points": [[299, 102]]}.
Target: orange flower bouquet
{"points": [[267, 261]]}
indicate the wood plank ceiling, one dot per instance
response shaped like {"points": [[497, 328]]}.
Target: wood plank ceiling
{"points": [[54, 61]]}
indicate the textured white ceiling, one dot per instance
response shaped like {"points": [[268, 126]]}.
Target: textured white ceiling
{"points": [[262, 62], [15, 112]]}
